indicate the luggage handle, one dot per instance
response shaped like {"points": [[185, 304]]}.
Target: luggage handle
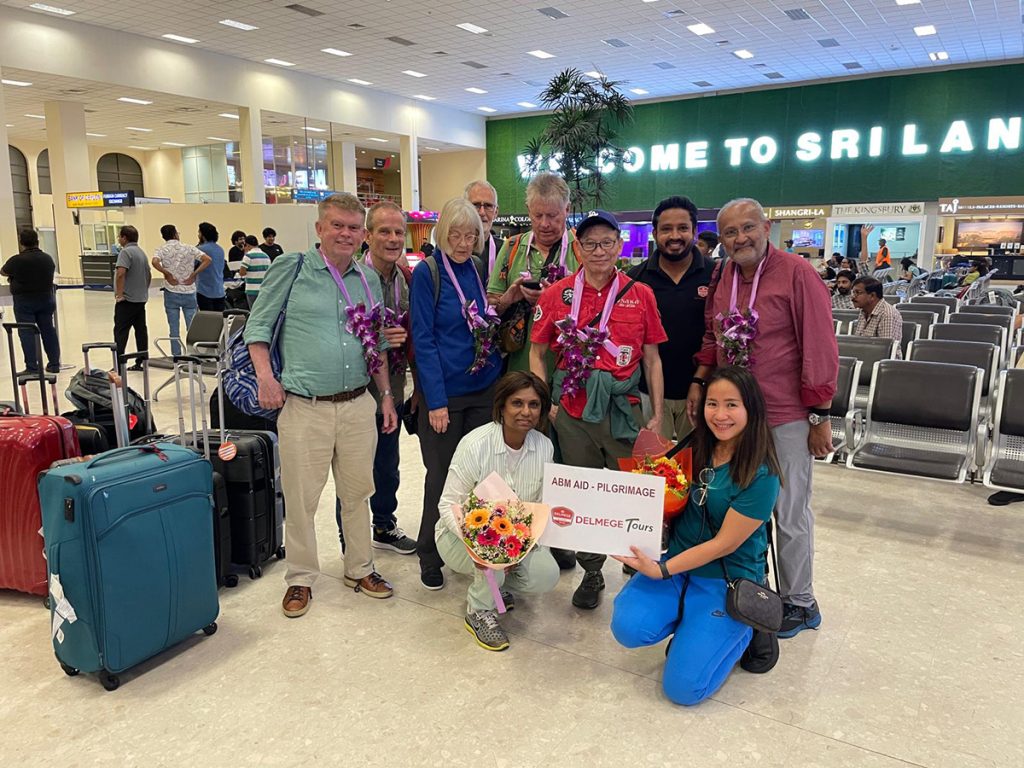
{"points": [[123, 453], [122, 367], [218, 374], [189, 362], [10, 328], [112, 347]]}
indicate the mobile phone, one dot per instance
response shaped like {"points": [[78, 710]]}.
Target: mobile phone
{"points": [[533, 285]]}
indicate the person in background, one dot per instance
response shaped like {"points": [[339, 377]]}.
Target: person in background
{"points": [[528, 261], [455, 369], [794, 357], [835, 261], [721, 535], [707, 243], [180, 264], [844, 284], [235, 254], [269, 245], [31, 274], [484, 197], [131, 292], [210, 282], [908, 269], [514, 446], [596, 398], [789, 247], [427, 249], [679, 275], [255, 264], [878, 318], [979, 268]]}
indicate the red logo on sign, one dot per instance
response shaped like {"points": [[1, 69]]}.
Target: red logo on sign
{"points": [[702, 291], [562, 516]]}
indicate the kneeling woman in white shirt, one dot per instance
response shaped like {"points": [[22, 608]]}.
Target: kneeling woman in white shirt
{"points": [[512, 446]]}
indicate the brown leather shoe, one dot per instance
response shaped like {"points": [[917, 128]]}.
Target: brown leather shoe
{"points": [[296, 601], [371, 585]]}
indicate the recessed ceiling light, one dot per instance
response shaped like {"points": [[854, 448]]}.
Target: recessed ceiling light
{"points": [[743, 53], [18, 83], [238, 25], [639, 91], [925, 31], [37, 117], [335, 52], [594, 74], [11, 125], [471, 28], [97, 135], [217, 138], [412, 73], [316, 130], [173, 144], [129, 100], [379, 141], [526, 104], [148, 149], [279, 62], [52, 9], [228, 115], [144, 130], [357, 81], [938, 56], [425, 98], [431, 149], [181, 39], [701, 29], [476, 90], [487, 109], [908, 2], [541, 54]]}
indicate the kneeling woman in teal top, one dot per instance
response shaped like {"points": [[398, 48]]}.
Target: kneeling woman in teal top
{"points": [[738, 486]]}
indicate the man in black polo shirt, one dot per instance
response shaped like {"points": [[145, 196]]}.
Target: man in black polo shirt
{"points": [[679, 275], [31, 275]]}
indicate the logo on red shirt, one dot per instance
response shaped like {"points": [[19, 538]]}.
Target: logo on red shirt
{"points": [[567, 296]]}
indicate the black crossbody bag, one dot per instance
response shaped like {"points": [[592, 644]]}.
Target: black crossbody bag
{"points": [[747, 601]]}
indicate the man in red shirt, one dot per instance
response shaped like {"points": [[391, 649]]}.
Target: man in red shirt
{"points": [[794, 357], [597, 417]]}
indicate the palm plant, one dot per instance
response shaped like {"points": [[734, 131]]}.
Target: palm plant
{"points": [[579, 140]]}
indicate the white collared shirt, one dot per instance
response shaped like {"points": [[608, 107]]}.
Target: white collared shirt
{"points": [[483, 451]]}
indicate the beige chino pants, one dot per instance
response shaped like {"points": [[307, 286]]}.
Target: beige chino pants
{"points": [[315, 437]]}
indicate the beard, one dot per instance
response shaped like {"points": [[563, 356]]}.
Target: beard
{"points": [[677, 257], [843, 291]]}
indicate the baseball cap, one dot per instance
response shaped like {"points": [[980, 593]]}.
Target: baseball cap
{"points": [[596, 216]]}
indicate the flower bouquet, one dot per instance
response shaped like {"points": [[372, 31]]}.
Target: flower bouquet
{"points": [[654, 455], [498, 529]]}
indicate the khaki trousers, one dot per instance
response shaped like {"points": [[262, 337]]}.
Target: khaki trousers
{"points": [[316, 436], [675, 424]]}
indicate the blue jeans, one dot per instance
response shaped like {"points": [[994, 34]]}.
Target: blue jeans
{"points": [[186, 303], [37, 309], [707, 643], [384, 501]]}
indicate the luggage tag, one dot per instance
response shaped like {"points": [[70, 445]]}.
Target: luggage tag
{"points": [[227, 451]]}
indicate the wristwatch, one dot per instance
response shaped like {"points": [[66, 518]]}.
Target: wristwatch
{"points": [[386, 393], [698, 380], [817, 416], [664, 571]]}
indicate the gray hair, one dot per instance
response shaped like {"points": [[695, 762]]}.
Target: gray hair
{"points": [[741, 201], [548, 187], [458, 213], [480, 183]]}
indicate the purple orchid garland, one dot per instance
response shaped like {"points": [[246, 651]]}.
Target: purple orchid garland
{"points": [[397, 361], [484, 327], [736, 333], [579, 353], [365, 325]]}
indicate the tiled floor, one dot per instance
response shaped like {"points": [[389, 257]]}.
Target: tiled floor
{"points": [[918, 660]]}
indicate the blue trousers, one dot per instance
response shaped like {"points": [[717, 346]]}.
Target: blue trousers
{"points": [[386, 477], [707, 643], [37, 309], [175, 305]]}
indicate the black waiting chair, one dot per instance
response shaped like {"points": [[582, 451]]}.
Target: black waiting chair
{"points": [[1001, 321], [1004, 470], [911, 332], [952, 302], [924, 319], [206, 327], [869, 350], [844, 414], [847, 318], [941, 310], [986, 334], [922, 420], [988, 309]]}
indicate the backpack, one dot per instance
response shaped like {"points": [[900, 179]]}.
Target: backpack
{"points": [[435, 274]]}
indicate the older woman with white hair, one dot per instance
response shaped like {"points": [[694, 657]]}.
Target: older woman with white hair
{"points": [[457, 359]]}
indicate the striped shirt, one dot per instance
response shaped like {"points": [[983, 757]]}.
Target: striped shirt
{"points": [[256, 264], [484, 451]]}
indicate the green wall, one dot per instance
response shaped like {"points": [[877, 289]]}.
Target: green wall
{"points": [[931, 101]]}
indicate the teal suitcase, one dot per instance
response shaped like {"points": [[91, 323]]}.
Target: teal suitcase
{"points": [[130, 557]]}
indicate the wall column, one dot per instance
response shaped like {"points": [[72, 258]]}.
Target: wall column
{"points": [[8, 225], [69, 172], [250, 131], [410, 172], [343, 166]]}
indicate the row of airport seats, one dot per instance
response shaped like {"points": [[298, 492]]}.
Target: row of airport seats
{"points": [[952, 409]]}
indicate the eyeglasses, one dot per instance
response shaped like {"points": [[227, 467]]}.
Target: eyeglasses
{"points": [[485, 206], [746, 229], [590, 246], [706, 477], [462, 237]]}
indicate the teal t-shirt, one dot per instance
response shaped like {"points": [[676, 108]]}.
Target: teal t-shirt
{"points": [[756, 501]]}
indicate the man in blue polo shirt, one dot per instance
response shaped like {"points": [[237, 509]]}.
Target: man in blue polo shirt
{"points": [[210, 282], [679, 274]]}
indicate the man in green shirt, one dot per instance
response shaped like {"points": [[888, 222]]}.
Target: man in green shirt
{"points": [[327, 417], [547, 252]]}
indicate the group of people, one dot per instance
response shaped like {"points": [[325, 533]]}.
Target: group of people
{"points": [[538, 349]]}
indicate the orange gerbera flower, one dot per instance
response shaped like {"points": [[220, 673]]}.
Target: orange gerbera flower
{"points": [[477, 518], [502, 525], [522, 529]]}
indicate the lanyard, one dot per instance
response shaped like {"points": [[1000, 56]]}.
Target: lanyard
{"points": [[609, 304], [492, 254], [341, 283], [485, 307], [561, 257], [736, 282]]}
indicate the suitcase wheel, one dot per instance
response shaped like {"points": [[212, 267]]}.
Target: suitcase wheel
{"points": [[255, 572], [231, 580], [68, 669], [210, 628], [109, 680], [280, 552]]}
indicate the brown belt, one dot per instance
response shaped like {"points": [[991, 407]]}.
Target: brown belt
{"points": [[339, 397]]}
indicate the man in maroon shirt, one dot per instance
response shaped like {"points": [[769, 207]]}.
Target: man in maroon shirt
{"points": [[794, 357]]}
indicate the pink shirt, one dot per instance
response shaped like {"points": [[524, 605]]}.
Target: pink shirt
{"points": [[796, 360]]}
